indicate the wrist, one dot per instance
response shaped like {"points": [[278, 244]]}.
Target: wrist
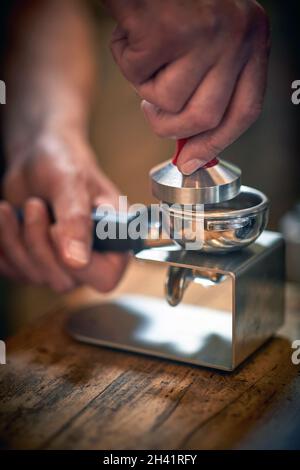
{"points": [[42, 135]]}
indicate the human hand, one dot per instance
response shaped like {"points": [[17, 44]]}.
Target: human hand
{"points": [[200, 68], [59, 169]]}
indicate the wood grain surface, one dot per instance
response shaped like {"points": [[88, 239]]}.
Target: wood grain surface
{"points": [[59, 394]]}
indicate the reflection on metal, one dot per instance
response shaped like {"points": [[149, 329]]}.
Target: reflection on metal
{"points": [[208, 185], [2, 352], [146, 324], [226, 227], [178, 279], [176, 283], [227, 306], [2, 92]]}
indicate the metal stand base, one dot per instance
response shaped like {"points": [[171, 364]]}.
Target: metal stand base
{"points": [[150, 326], [215, 325]]}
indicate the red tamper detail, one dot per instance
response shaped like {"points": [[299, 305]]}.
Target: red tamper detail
{"points": [[180, 144], [213, 162]]}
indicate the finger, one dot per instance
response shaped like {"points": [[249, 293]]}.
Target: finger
{"points": [[205, 109], [172, 87], [138, 64], [40, 247], [105, 192], [72, 230], [140, 54], [243, 110], [12, 245], [14, 186], [104, 271], [8, 271]]}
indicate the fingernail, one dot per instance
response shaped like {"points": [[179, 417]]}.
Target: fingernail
{"points": [[192, 165], [77, 251]]}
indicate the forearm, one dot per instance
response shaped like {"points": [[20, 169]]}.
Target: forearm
{"points": [[50, 71]]}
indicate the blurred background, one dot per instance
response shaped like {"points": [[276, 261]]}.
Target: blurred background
{"points": [[268, 153]]}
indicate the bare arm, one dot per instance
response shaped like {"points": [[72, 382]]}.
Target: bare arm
{"points": [[50, 69], [50, 80]]}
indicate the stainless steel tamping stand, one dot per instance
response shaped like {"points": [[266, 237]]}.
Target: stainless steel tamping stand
{"points": [[229, 301]]}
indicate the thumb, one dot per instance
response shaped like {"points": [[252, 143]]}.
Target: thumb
{"points": [[187, 159], [71, 232]]}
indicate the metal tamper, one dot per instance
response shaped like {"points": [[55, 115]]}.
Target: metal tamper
{"points": [[217, 181]]}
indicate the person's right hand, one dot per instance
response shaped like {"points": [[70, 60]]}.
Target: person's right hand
{"points": [[58, 169], [199, 66]]}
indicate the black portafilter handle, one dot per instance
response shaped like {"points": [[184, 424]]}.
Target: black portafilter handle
{"points": [[122, 242], [120, 221]]}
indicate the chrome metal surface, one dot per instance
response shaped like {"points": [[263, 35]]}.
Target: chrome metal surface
{"points": [[176, 282], [228, 226], [290, 227], [148, 325], [215, 184], [179, 278], [231, 305]]}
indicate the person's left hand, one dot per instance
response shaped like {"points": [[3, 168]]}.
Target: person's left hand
{"points": [[59, 169]]}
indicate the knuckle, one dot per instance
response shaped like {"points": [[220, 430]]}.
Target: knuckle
{"points": [[250, 114], [162, 96], [78, 218], [203, 122], [241, 24], [212, 149], [158, 123], [169, 104], [41, 207], [259, 24], [75, 225], [249, 20], [131, 68], [32, 211], [33, 166], [69, 176], [210, 20], [160, 130]]}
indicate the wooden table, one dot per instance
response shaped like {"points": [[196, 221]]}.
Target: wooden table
{"points": [[57, 393]]}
